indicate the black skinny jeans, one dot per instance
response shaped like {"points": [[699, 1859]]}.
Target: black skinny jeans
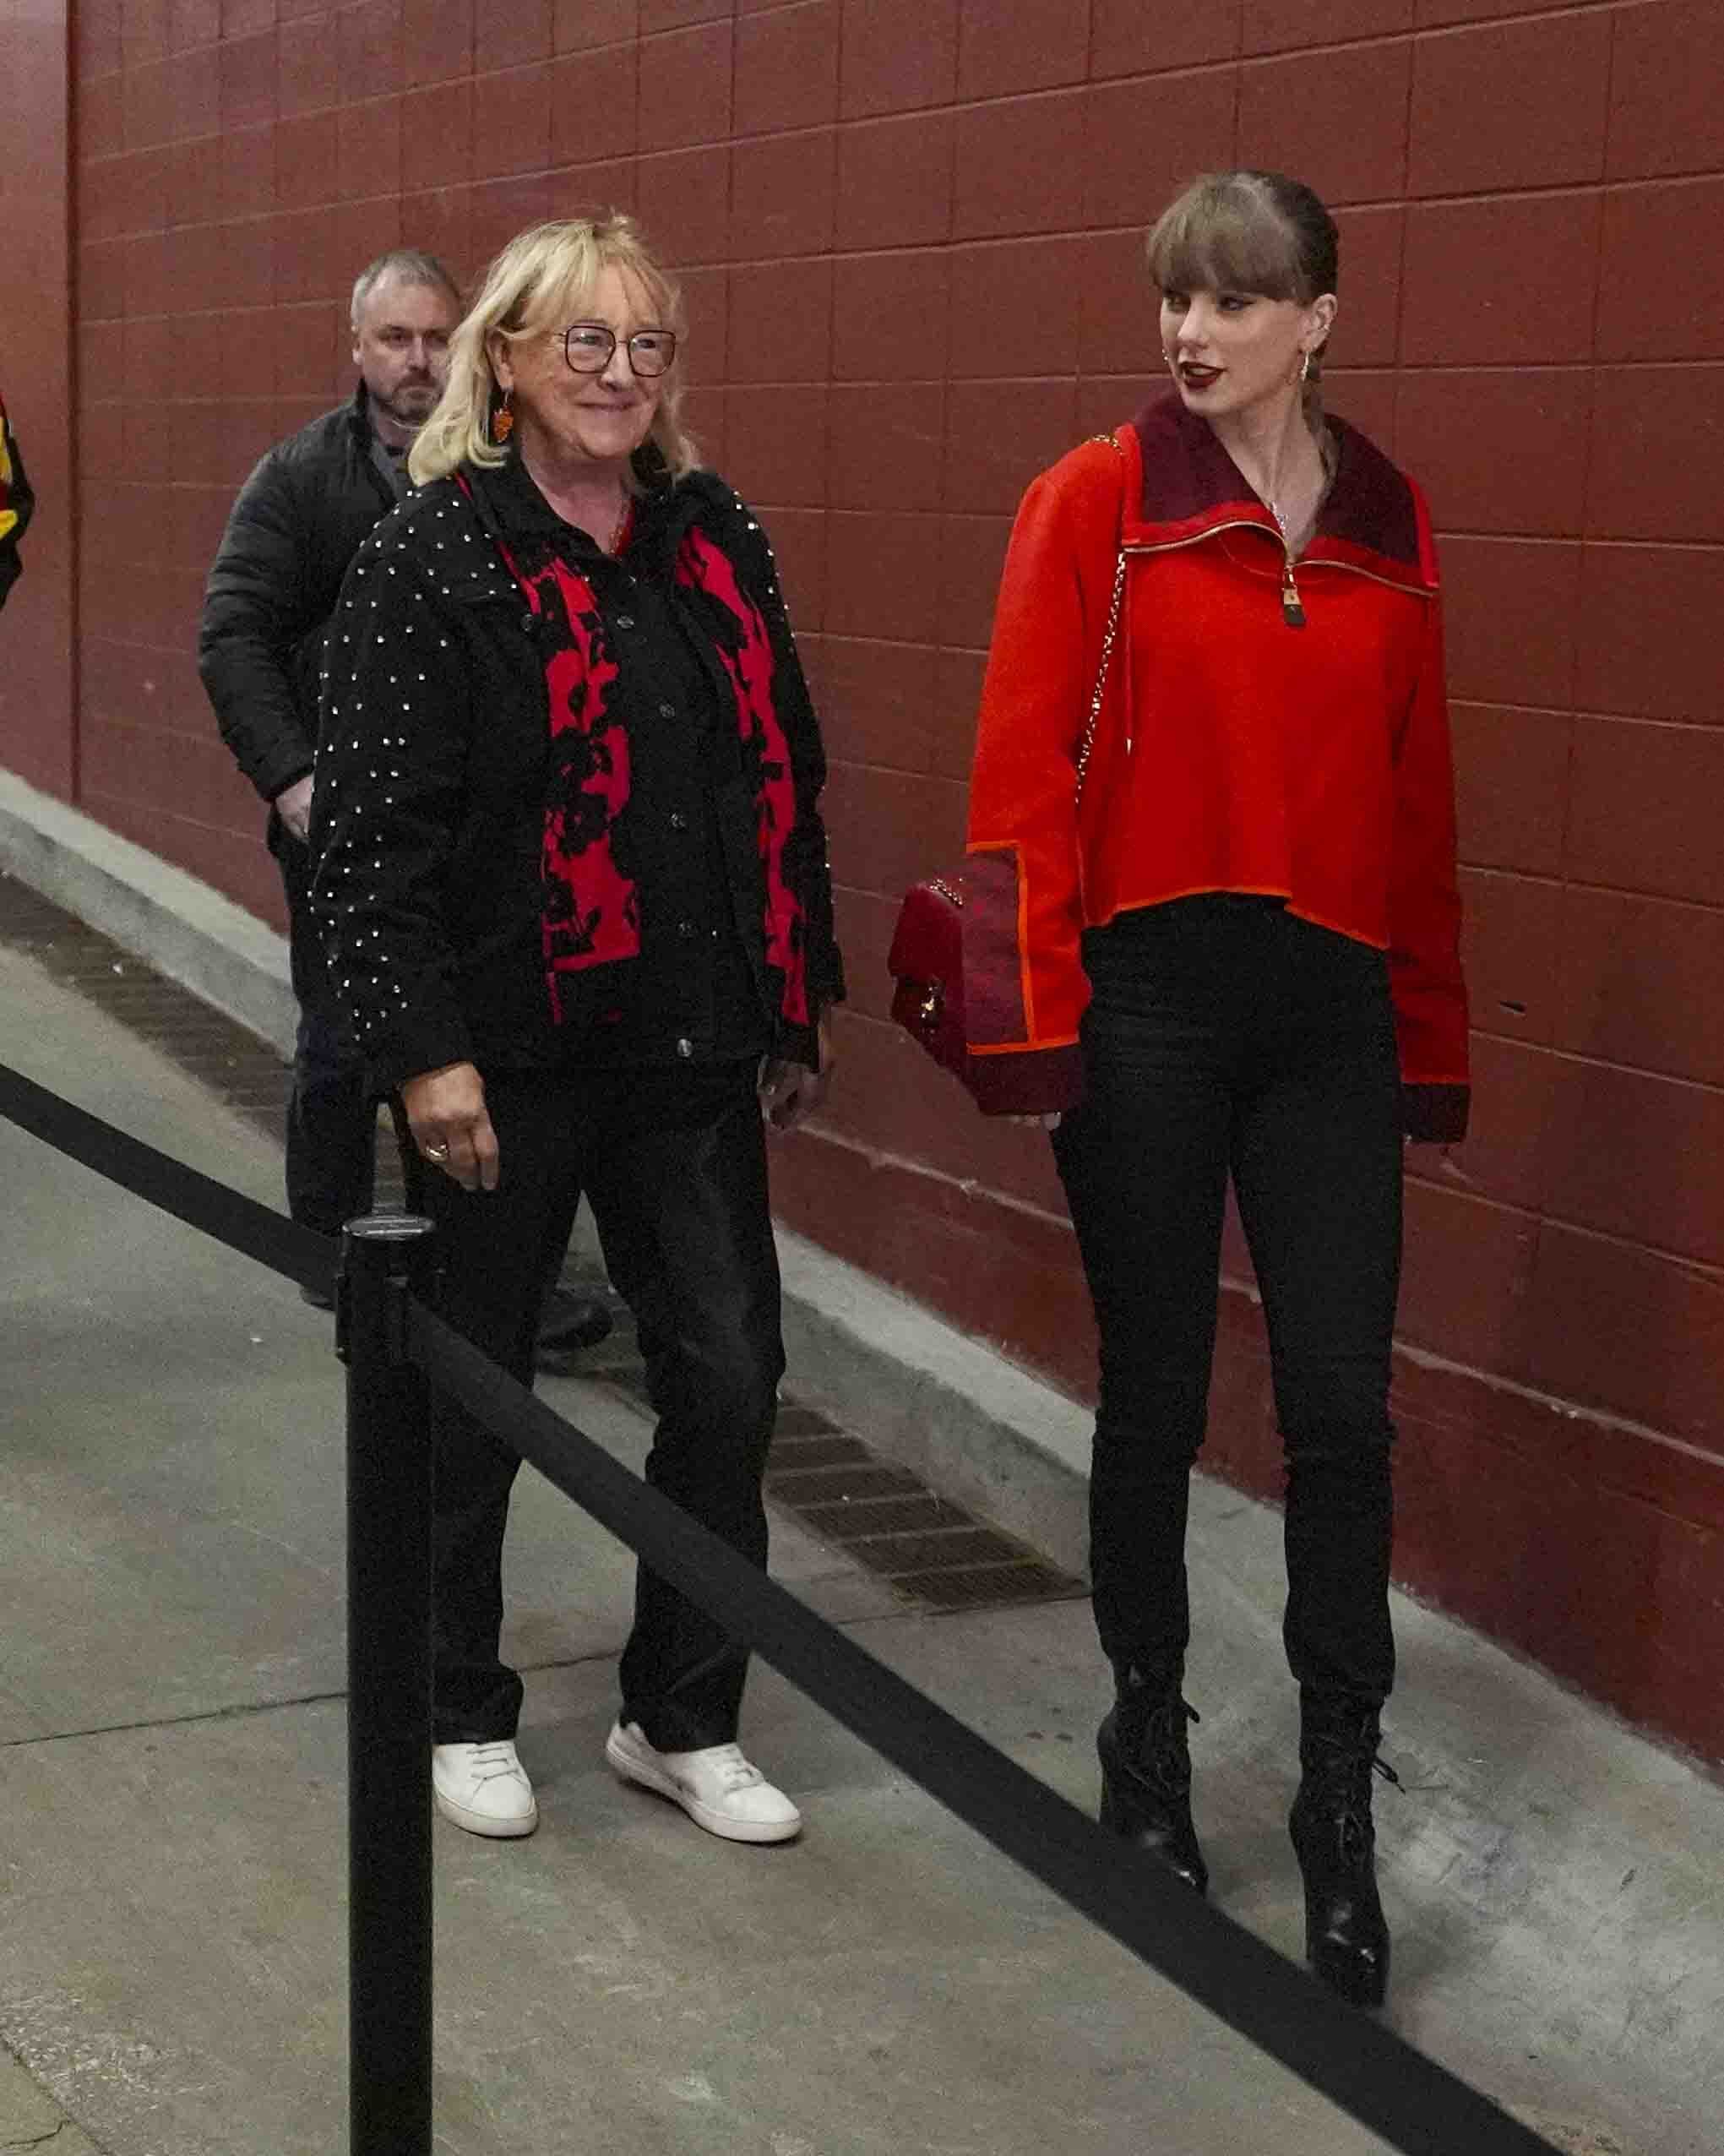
{"points": [[1227, 1037], [674, 1163]]}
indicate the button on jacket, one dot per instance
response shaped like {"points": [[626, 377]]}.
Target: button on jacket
{"points": [[566, 811], [1234, 750]]}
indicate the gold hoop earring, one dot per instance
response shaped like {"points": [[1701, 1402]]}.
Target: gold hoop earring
{"points": [[1304, 367]]}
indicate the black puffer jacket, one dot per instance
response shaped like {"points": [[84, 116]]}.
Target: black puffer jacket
{"points": [[436, 778], [300, 519]]}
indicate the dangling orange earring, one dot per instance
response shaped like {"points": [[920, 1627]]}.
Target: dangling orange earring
{"points": [[502, 419]]}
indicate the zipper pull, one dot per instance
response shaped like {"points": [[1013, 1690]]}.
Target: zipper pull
{"points": [[1292, 606]]}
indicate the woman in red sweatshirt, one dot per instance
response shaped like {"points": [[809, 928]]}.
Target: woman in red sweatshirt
{"points": [[1234, 889]]}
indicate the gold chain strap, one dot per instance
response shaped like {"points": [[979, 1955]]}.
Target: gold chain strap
{"points": [[1112, 630]]}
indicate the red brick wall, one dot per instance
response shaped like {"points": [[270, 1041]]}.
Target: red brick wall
{"points": [[36, 635], [910, 229]]}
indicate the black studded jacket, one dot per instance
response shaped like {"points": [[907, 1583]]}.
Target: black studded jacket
{"points": [[566, 811]]}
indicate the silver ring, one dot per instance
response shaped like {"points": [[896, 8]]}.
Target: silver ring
{"points": [[436, 1153]]}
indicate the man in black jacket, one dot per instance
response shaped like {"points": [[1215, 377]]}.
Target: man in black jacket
{"points": [[298, 521]]}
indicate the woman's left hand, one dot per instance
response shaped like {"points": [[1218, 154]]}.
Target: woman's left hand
{"points": [[790, 1092]]}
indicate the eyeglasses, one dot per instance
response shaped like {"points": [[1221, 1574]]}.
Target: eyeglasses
{"points": [[588, 348]]}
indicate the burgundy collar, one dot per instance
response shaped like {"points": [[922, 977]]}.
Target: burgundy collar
{"points": [[1372, 519]]}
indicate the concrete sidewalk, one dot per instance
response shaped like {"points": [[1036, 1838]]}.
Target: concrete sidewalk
{"points": [[172, 1922]]}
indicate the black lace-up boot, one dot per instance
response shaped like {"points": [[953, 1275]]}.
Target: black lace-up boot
{"points": [[1146, 1773], [1336, 1841]]}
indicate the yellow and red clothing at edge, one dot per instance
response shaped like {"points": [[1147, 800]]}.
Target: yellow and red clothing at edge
{"points": [[1234, 750], [16, 502]]}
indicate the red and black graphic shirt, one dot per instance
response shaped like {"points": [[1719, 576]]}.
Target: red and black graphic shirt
{"points": [[567, 802]]}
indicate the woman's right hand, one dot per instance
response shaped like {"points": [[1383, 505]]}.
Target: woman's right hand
{"points": [[446, 1113]]}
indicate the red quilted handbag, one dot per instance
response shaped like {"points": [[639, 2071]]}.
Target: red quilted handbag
{"points": [[926, 961], [956, 948]]}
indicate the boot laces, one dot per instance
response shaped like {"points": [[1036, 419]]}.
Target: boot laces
{"points": [[1159, 1756], [1341, 1767]]}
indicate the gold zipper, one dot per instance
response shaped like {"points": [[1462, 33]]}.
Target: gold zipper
{"points": [[1293, 604]]}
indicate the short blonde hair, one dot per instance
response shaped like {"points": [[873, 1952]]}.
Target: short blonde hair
{"points": [[541, 280]]}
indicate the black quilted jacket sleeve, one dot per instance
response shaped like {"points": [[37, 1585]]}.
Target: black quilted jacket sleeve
{"points": [[297, 522]]}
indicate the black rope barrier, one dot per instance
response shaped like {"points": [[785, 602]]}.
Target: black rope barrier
{"points": [[394, 1343], [1397, 2091], [198, 1199]]}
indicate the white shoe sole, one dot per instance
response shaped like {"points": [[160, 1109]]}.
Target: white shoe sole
{"points": [[648, 1776], [483, 1822]]}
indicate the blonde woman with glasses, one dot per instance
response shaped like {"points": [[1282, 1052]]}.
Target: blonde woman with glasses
{"points": [[572, 875]]}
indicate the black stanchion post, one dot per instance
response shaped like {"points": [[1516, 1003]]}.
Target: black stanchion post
{"points": [[384, 1258]]}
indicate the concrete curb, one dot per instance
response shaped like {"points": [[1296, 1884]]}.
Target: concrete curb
{"points": [[971, 1423], [185, 930]]}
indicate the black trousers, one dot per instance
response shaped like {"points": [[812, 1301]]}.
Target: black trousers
{"points": [[331, 1117], [1227, 1038], [673, 1162]]}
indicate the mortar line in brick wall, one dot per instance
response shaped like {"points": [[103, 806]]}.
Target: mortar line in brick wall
{"points": [[1238, 66], [880, 1157], [161, 650], [1479, 1032], [922, 774], [1571, 760], [892, 643], [1661, 546], [1508, 704], [168, 731], [1423, 34], [128, 805], [1533, 367], [1552, 10], [1642, 719], [1540, 1220], [1364, 204], [1569, 1410], [1637, 1246], [1447, 531], [1627, 890]]}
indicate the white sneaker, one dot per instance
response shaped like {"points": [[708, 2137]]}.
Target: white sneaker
{"points": [[718, 1788], [484, 1787]]}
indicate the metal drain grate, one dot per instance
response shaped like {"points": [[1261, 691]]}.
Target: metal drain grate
{"points": [[883, 1517], [243, 1072], [929, 1551]]}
